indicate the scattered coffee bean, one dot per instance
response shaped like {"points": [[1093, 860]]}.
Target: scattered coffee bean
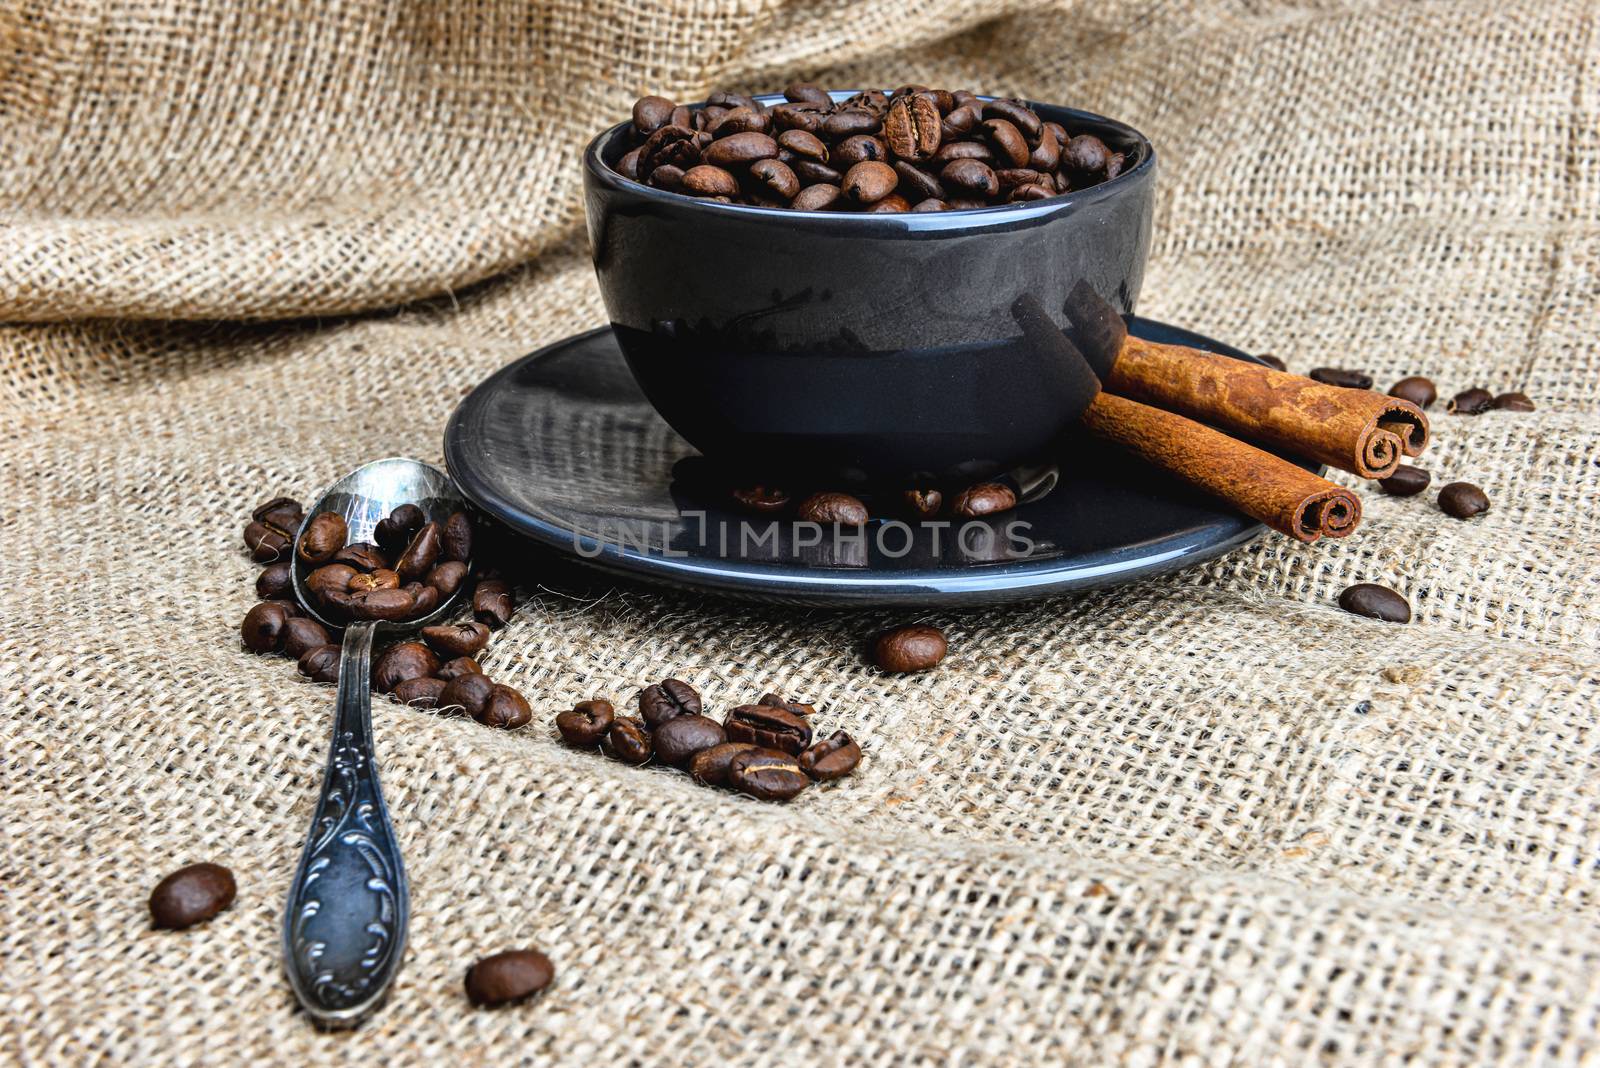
{"points": [[1471, 402], [320, 664], [767, 774], [1272, 361], [667, 700], [265, 543], [709, 767], [1513, 402], [419, 693], [1375, 602], [767, 726], [838, 509], [798, 708], [1463, 500], [587, 723], [470, 693], [1416, 389], [401, 661], [301, 634], [508, 977], [454, 669], [447, 577], [263, 628], [283, 514], [905, 650], [681, 737], [1406, 481], [322, 537], [456, 639], [986, 498], [832, 758], [629, 740], [191, 895], [492, 603], [275, 581], [505, 708], [1339, 376], [455, 539]]}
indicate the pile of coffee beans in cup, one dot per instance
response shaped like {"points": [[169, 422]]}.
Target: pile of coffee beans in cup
{"points": [[409, 569], [915, 149], [766, 750]]}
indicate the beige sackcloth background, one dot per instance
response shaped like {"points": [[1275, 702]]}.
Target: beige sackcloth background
{"points": [[1206, 819]]}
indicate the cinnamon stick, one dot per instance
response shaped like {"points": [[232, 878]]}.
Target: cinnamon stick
{"points": [[1267, 488], [1356, 430]]}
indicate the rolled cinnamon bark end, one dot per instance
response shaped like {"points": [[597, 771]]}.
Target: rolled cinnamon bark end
{"points": [[1354, 430], [1267, 488]]}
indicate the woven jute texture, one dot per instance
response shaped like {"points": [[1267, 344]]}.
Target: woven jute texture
{"points": [[1208, 819]]}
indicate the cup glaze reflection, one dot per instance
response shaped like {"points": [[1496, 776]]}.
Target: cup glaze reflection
{"points": [[880, 349]]}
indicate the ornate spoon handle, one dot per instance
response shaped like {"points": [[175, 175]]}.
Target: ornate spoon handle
{"points": [[344, 929]]}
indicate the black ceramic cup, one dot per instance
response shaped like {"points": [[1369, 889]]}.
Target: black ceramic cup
{"points": [[876, 349]]}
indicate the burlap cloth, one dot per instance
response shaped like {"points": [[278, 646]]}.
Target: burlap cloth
{"points": [[1206, 819]]}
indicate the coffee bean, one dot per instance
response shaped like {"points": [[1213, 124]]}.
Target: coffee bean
{"points": [[832, 758], [421, 554], [650, 113], [797, 117], [1416, 389], [330, 578], [682, 737], [798, 708], [924, 503], [958, 122], [455, 538], [906, 650], [301, 634], [1463, 500], [427, 599], [492, 604], [381, 579], [587, 723], [419, 693], [470, 693], [868, 182], [447, 577], [847, 122], [861, 148], [775, 178], [1513, 402], [986, 498], [1471, 402], [506, 708], [401, 661], [1046, 155], [191, 895], [456, 639], [767, 774], [320, 664], [742, 120], [668, 699], [263, 628], [1024, 118], [739, 150], [709, 767], [1406, 481], [912, 127], [708, 181], [362, 556], [394, 531], [454, 669], [275, 580], [970, 176], [762, 500], [817, 198], [389, 605], [1272, 361], [508, 977], [628, 741], [930, 204], [804, 145], [894, 202], [1375, 602], [1085, 156], [1339, 376], [265, 543], [917, 183], [839, 509], [282, 514], [764, 725], [1007, 141], [323, 536], [806, 93]]}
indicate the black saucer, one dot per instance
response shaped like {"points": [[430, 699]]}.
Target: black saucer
{"points": [[562, 446]]}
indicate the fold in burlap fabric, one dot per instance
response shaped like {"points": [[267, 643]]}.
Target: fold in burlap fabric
{"points": [[1208, 819]]}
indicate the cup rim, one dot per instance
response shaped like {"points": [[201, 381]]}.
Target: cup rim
{"points": [[600, 171]]}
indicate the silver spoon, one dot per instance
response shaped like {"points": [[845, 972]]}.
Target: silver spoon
{"points": [[344, 928]]}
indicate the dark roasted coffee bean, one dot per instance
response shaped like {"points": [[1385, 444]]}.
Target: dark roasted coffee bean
{"points": [[507, 977], [804, 145], [912, 127], [454, 669], [1085, 156], [986, 498], [1012, 177], [817, 198], [1471, 402], [668, 699], [954, 150], [1375, 602], [191, 895], [1007, 142], [394, 531], [762, 500], [923, 502], [775, 178], [839, 509], [455, 538], [320, 664], [867, 183], [738, 150], [729, 99], [419, 693], [265, 543], [1272, 361], [806, 93], [401, 661], [710, 766], [832, 758], [767, 774], [681, 737], [890, 204], [708, 181], [1416, 389], [667, 176], [917, 184], [650, 113], [799, 708], [389, 605], [421, 554], [492, 604], [1405, 482], [775, 728], [1340, 376], [470, 693], [506, 708], [931, 204], [427, 599], [263, 628], [324, 535], [628, 165], [1463, 500], [330, 578], [1046, 155], [456, 639], [812, 173], [1017, 114], [382, 579], [1024, 193], [847, 122], [741, 120], [970, 176], [1513, 402], [362, 556], [587, 723], [1115, 165], [275, 580], [965, 203], [301, 634], [681, 116], [282, 514], [447, 577], [861, 148], [629, 741], [905, 650], [708, 117], [797, 117]]}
